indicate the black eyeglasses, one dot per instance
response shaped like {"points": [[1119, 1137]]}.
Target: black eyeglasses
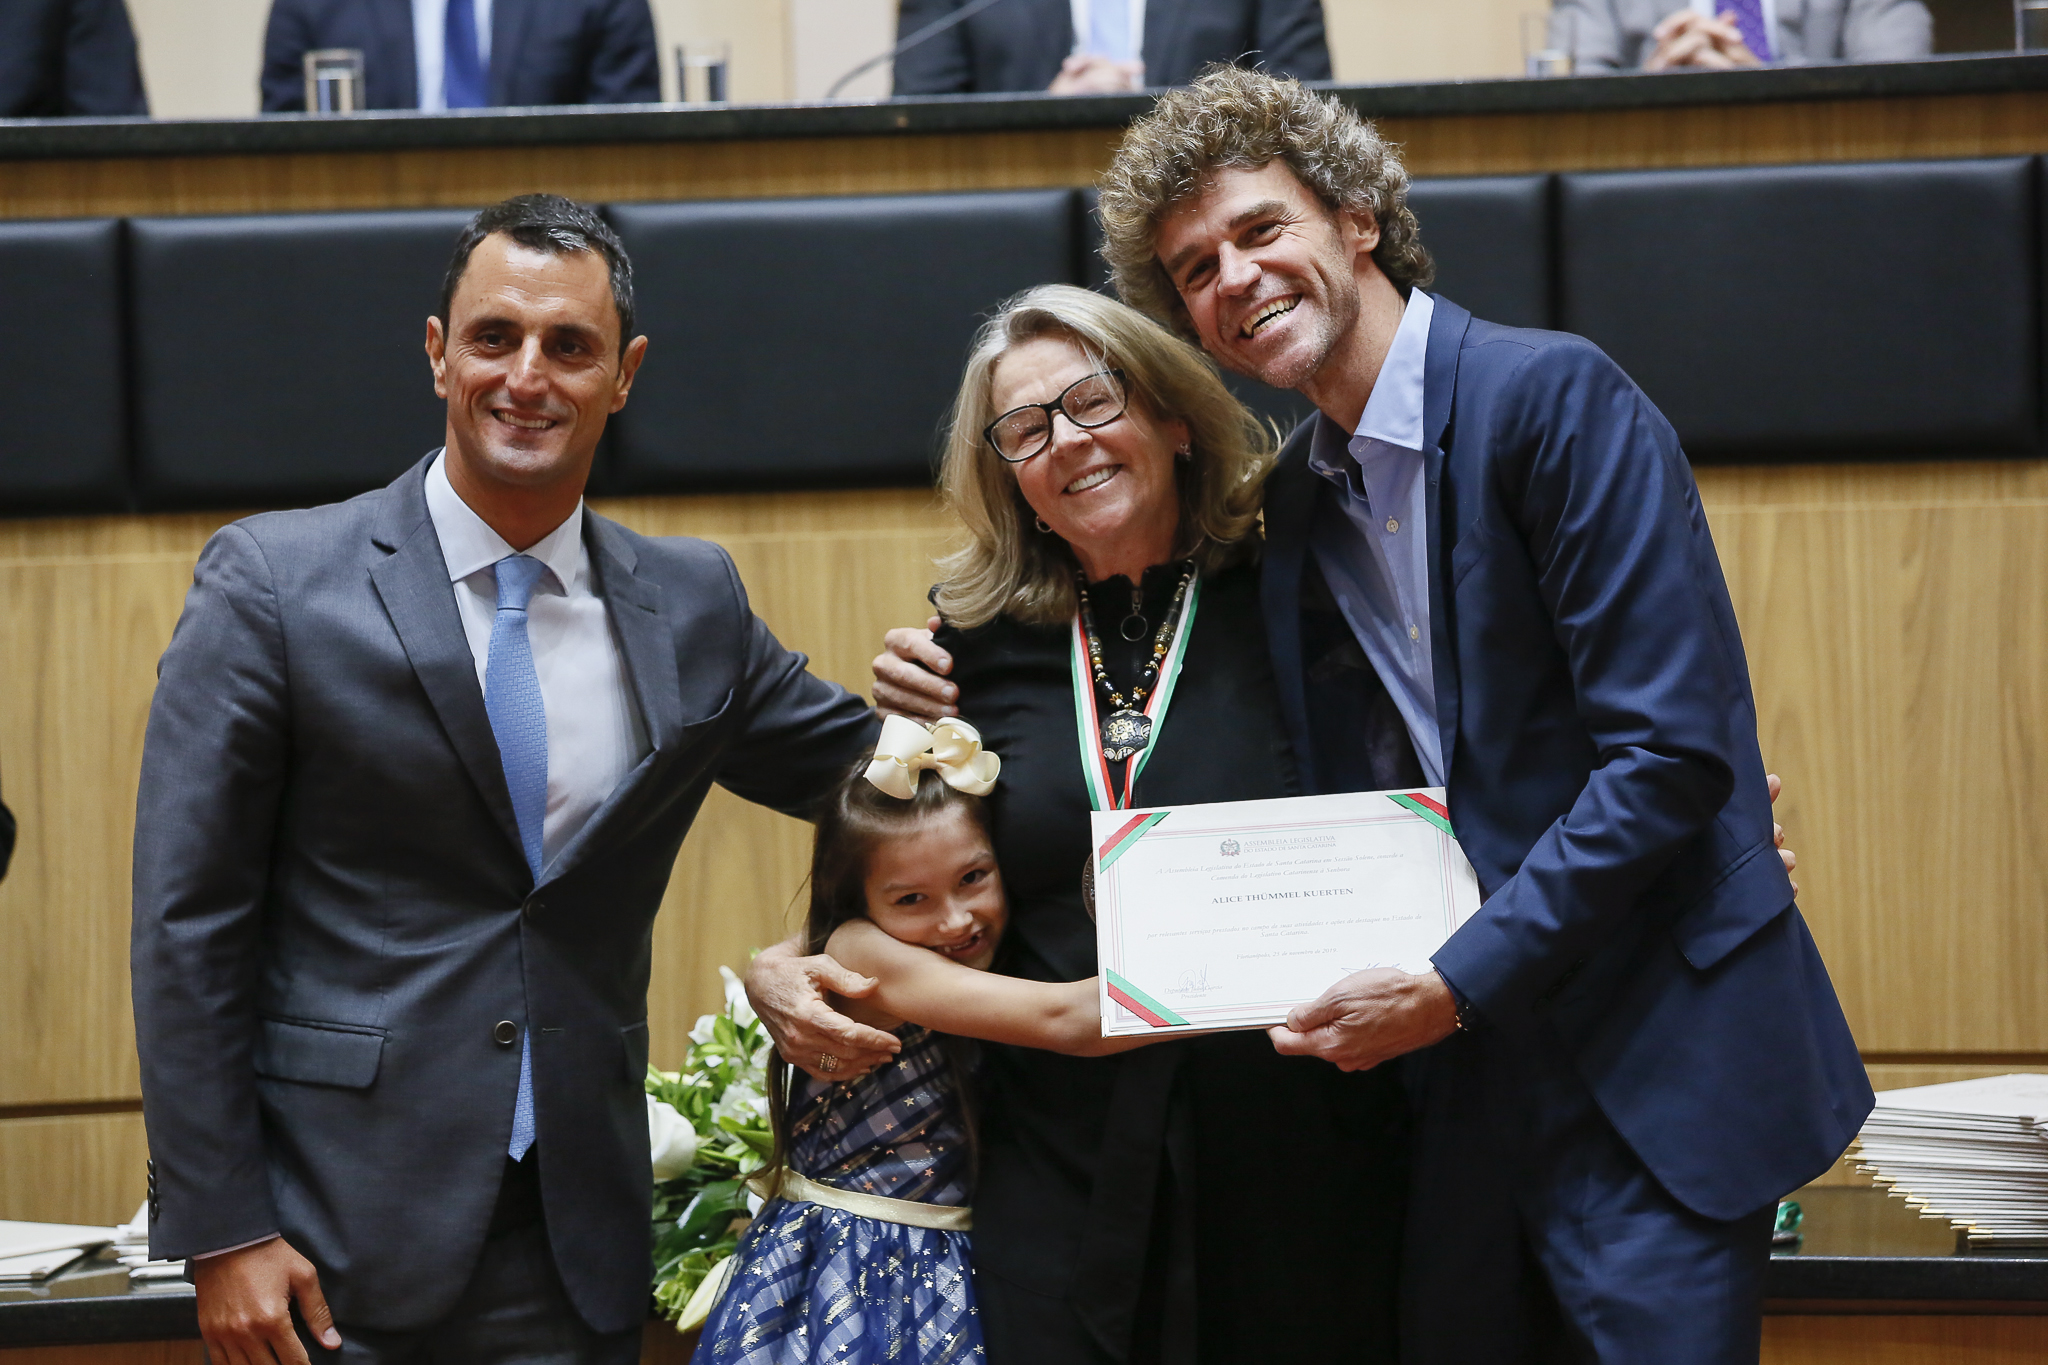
{"points": [[1089, 402]]}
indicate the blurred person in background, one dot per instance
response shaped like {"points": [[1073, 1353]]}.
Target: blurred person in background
{"points": [[68, 59], [1658, 35], [1088, 47], [469, 54]]}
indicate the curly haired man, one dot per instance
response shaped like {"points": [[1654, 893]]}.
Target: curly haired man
{"points": [[1633, 1049]]}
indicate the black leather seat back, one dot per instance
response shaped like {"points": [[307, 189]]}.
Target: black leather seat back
{"points": [[1809, 312], [1490, 236], [64, 447], [280, 360], [816, 342]]}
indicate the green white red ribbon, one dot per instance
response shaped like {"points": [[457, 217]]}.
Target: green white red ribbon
{"points": [[1095, 767]]}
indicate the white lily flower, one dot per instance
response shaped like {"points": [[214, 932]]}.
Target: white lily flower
{"points": [[671, 1141], [702, 1033], [736, 1002]]}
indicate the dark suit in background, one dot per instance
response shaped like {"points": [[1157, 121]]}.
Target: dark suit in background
{"points": [[1019, 44], [68, 58], [542, 51], [1659, 1054], [333, 912]]}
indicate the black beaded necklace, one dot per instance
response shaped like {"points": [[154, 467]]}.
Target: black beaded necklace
{"points": [[1127, 729]]}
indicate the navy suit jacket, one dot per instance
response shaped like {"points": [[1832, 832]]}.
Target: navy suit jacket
{"points": [[542, 51], [332, 912], [1604, 777], [1019, 44], [68, 58]]}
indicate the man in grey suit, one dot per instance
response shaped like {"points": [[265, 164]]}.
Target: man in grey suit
{"points": [[1669, 35], [416, 772]]}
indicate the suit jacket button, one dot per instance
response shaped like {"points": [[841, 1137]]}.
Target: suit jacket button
{"points": [[507, 1033], [536, 907]]}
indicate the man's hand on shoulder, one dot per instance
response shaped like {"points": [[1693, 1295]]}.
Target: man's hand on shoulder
{"points": [[908, 679], [788, 992], [245, 1305], [1370, 1017]]}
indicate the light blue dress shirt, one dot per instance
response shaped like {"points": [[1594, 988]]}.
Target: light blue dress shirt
{"points": [[1374, 548], [429, 45]]}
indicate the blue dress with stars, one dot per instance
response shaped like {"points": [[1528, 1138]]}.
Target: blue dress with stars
{"points": [[818, 1284]]}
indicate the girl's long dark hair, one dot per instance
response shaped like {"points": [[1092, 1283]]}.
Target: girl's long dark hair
{"points": [[851, 822]]}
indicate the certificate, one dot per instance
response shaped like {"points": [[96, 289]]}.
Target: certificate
{"points": [[1228, 915]]}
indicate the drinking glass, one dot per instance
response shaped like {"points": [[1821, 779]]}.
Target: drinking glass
{"points": [[701, 71], [2030, 25], [1547, 44], [334, 80]]}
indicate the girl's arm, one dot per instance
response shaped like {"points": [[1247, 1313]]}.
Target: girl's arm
{"points": [[926, 988]]}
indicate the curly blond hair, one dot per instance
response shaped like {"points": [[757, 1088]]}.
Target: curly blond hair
{"points": [[1004, 567], [1229, 118]]}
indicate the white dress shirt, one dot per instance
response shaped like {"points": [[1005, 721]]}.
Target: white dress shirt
{"points": [[1374, 549], [1082, 10], [430, 46], [595, 731]]}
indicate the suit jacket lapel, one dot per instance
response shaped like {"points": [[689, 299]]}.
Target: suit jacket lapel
{"points": [[509, 21], [1447, 329], [413, 583], [1290, 512], [1163, 25], [647, 646]]}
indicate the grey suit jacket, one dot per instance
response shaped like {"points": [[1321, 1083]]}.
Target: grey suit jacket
{"points": [[332, 913], [1614, 35]]}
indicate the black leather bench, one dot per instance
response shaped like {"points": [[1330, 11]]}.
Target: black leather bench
{"points": [[279, 360], [816, 342], [1803, 313], [64, 447]]}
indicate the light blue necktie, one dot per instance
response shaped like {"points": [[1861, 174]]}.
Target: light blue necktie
{"points": [[1109, 29], [462, 63], [519, 719]]}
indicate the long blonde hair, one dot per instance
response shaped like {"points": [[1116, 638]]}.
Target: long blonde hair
{"points": [[1007, 568]]}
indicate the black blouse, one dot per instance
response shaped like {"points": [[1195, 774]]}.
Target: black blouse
{"points": [[1105, 1181]]}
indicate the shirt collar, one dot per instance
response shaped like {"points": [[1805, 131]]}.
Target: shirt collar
{"points": [[469, 545], [1393, 411]]}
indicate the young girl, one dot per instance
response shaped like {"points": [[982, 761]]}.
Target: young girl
{"points": [[862, 1255]]}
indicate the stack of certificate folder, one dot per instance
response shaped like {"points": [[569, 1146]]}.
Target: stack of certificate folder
{"points": [[1972, 1152]]}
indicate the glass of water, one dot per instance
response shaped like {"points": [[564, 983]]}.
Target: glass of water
{"points": [[2030, 25], [701, 72], [334, 80], [1547, 44]]}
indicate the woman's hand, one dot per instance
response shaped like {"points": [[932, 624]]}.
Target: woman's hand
{"points": [[907, 676], [1790, 858], [787, 990]]}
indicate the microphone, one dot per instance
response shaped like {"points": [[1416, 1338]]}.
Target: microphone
{"points": [[929, 31]]}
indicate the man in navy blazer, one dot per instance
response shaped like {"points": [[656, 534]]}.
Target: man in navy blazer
{"points": [[1633, 1049], [539, 51], [1032, 45]]}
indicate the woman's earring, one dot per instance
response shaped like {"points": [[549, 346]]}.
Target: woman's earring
{"points": [[1185, 450], [1043, 529]]}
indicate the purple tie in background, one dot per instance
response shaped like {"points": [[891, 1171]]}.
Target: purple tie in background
{"points": [[1749, 21]]}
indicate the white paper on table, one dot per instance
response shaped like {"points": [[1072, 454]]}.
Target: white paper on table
{"points": [[36, 1265], [25, 1239], [1228, 915]]}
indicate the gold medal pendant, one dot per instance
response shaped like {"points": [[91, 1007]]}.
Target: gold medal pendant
{"points": [[1124, 733]]}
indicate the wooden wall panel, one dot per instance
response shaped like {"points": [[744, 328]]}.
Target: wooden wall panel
{"points": [[1905, 1340], [74, 1168], [1892, 614], [1469, 144], [1893, 623]]}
